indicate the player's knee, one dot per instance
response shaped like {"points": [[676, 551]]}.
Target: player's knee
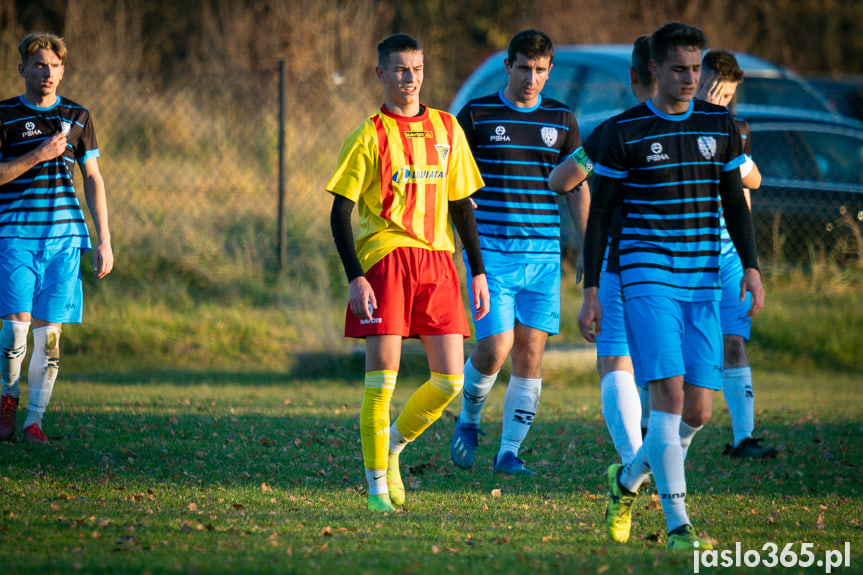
{"points": [[489, 357], [735, 351], [698, 415]]}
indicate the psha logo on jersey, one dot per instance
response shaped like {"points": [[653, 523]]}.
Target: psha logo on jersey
{"points": [[707, 146], [549, 135], [658, 155], [499, 135], [30, 130]]}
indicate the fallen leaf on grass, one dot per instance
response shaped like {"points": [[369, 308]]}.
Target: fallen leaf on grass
{"points": [[495, 492], [820, 524], [266, 488]]}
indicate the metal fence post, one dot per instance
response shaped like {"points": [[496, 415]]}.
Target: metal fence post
{"points": [[283, 251]]}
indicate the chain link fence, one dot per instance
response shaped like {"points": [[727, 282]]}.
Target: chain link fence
{"points": [[192, 170]]}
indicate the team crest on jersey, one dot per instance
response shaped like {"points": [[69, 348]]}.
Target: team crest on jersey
{"points": [[65, 127], [442, 152], [707, 146], [549, 135]]}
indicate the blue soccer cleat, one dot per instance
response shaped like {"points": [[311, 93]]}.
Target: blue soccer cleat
{"points": [[465, 440], [509, 464]]}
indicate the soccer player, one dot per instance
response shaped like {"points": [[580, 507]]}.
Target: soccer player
{"points": [[669, 161], [719, 80], [517, 136], [409, 169], [42, 228], [621, 400]]}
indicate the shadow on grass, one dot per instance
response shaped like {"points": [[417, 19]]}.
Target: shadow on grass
{"points": [[303, 448], [305, 367]]}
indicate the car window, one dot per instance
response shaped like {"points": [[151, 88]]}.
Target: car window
{"points": [[777, 92], [562, 83], [601, 92], [805, 154]]}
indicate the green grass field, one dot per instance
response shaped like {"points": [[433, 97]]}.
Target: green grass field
{"points": [[262, 473]]}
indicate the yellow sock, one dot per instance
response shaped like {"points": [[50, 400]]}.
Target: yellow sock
{"points": [[427, 404], [375, 417]]}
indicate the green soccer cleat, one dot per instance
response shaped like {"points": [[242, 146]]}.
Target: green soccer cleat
{"points": [[684, 537], [394, 480], [618, 515], [380, 503]]}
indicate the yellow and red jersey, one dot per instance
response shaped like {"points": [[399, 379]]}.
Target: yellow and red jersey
{"points": [[402, 172]]}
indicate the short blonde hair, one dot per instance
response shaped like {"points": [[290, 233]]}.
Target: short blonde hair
{"points": [[35, 41]]}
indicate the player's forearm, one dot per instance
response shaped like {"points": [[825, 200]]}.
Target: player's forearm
{"points": [[738, 218], [15, 168], [461, 212], [598, 223], [97, 203], [578, 203], [343, 235]]}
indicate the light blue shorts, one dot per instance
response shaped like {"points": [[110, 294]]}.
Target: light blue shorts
{"points": [[731, 309], [525, 293], [670, 338], [44, 283], [611, 341]]}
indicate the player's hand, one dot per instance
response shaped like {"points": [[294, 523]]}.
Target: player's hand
{"points": [[590, 315], [711, 89], [361, 298], [481, 298], [103, 259], [751, 283], [51, 148]]}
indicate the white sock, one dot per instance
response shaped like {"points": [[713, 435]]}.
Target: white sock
{"points": [[519, 409], [687, 432], [666, 462], [13, 348], [636, 471], [621, 409], [476, 389], [737, 391], [644, 396], [377, 480], [44, 364], [397, 440]]}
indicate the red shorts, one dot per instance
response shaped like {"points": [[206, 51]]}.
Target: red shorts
{"points": [[418, 293]]}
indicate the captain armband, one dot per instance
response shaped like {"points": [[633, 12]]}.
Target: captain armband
{"points": [[582, 160]]}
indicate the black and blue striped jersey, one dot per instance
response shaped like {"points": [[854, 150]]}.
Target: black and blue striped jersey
{"points": [[669, 167], [40, 209], [517, 215]]}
